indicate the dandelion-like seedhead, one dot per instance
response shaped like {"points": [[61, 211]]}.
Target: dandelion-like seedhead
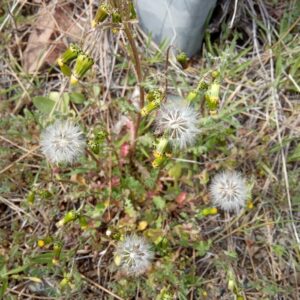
{"points": [[179, 122], [228, 191], [135, 255], [62, 141]]}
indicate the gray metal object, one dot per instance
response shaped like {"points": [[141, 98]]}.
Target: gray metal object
{"points": [[180, 22]]}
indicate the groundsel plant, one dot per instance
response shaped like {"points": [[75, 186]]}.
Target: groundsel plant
{"points": [[178, 121], [62, 141], [133, 255], [228, 191]]}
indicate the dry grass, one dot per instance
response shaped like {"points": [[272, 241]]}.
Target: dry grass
{"points": [[256, 131]]}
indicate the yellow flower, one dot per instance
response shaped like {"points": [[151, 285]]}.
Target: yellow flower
{"points": [[213, 211], [41, 243]]}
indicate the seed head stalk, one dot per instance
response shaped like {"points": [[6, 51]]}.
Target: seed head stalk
{"points": [[124, 10], [138, 69]]}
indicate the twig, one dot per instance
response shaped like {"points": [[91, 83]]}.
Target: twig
{"points": [[29, 295], [93, 156], [19, 159], [101, 287], [18, 146], [234, 13]]}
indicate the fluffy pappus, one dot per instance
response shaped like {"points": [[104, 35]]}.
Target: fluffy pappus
{"points": [[228, 191], [134, 254], [63, 141], [179, 122]]}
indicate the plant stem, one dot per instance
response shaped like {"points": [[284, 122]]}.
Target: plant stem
{"points": [[93, 156], [138, 69]]}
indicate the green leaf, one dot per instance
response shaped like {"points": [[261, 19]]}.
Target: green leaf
{"points": [[43, 104], [295, 156], [3, 277], [16, 270], [77, 98], [202, 247], [96, 90], [3, 285], [159, 202], [43, 258]]}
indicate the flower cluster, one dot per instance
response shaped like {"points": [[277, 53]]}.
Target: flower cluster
{"points": [[83, 62], [176, 123]]}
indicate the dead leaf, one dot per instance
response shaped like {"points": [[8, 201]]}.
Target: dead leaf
{"points": [[45, 42], [78, 179], [181, 199]]}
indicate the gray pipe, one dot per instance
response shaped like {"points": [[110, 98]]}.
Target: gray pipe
{"points": [[180, 22]]}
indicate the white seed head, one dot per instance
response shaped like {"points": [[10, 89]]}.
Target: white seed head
{"points": [[135, 255], [179, 122], [228, 191], [62, 141]]}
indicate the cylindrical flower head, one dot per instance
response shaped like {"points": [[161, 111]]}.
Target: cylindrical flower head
{"points": [[82, 65], [62, 141], [212, 96], [154, 99], [133, 255], [228, 191], [158, 161], [70, 54], [116, 17], [161, 147], [147, 109], [179, 122], [101, 15]]}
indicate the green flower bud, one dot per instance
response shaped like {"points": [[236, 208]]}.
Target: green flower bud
{"points": [[158, 161], [182, 58], [116, 17], [205, 212], [64, 282], [215, 74], [161, 148], [70, 216], [192, 95], [154, 95], [57, 247], [231, 284], [202, 85], [95, 147], [70, 54], [98, 139], [31, 197], [101, 14], [82, 65], [154, 98], [212, 96], [83, 222], [147, 109], [45, 194]]}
